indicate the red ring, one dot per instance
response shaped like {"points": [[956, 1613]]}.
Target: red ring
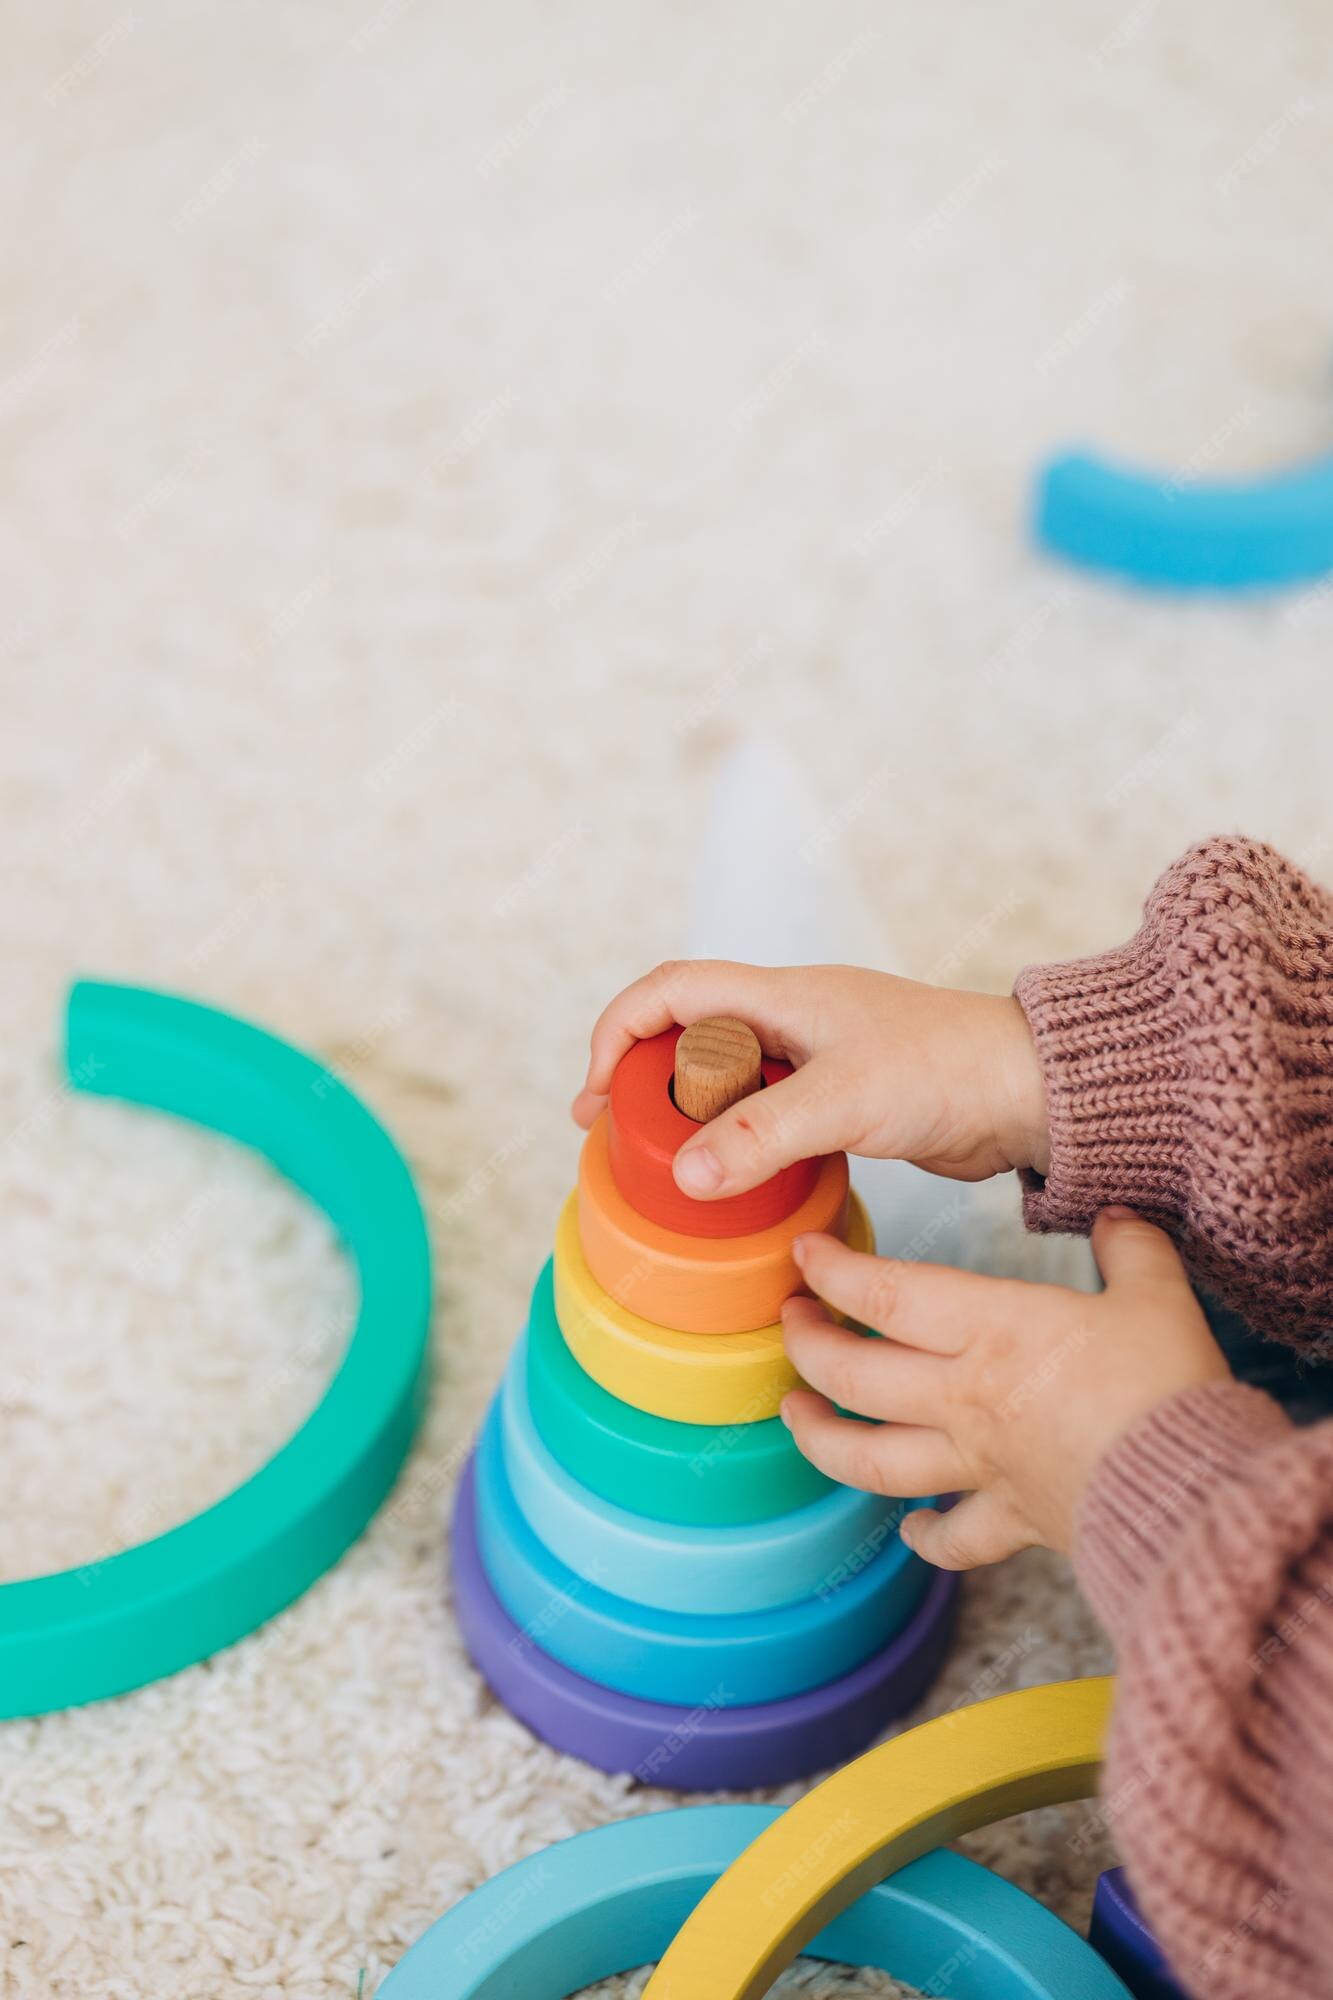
{"points": [[646, 1131]]}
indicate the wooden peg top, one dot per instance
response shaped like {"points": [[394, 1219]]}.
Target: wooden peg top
{"points": [[717, 1063]]}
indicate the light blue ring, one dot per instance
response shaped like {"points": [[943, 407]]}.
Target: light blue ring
{"points": [[606, 1901], [674, 1568], [675, 1656], [1155, 528]]}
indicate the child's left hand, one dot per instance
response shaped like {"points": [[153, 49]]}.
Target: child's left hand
{"points": [[1008, 1392]]}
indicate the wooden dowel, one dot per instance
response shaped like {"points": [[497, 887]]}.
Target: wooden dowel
{"points": [[717, 1063]]}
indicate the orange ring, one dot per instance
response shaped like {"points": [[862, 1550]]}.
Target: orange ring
{"points": [[647, 1131], [697, 1284]]}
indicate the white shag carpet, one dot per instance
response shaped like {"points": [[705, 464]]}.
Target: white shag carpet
{"points": [[432, 435]]}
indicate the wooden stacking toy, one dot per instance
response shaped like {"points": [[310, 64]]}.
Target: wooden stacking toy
{"points": [[646, 1570]]}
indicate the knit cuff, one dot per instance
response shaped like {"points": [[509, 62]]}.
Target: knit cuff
{"points": [[1156, 1481], [1113, 1055]]}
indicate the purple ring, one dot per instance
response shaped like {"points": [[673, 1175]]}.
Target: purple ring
{"points": [[701, 1749], [1120, 1933]]}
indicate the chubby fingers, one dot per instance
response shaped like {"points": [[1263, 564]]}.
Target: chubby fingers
{"points": [[1134, 1253], [979, 1530], [928, 1306], [875, 1378], [904, 1460], [810, 1112], [687, 990]]}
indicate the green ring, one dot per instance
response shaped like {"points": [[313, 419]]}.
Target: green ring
{"points": [[696, 1475], [82, 1634]]}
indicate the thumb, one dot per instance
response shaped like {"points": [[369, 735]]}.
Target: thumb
{"points": [[803, 1115], [978, 1530], [1133, 1252]]}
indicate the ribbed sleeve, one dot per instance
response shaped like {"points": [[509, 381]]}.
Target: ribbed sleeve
{"points": [[1205, 1543], [1189, 1074]]}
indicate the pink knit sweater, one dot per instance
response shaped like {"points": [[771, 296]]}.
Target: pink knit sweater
{"points": [[1190, 1074]]}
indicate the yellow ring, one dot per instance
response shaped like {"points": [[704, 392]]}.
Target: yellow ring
{"points": [[1037, 1747], [697, 1378]]}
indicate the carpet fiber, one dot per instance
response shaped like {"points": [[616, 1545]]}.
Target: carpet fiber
{"points": [[432, 436]]}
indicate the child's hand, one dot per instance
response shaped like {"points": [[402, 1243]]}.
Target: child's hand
{"points": [[884, 1066], [1005, 1391]]}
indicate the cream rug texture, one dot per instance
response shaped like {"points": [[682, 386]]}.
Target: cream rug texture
{"points": [[431, 437]]}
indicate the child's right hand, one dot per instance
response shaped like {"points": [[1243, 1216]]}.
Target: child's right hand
{"points": [[884, 1066]]}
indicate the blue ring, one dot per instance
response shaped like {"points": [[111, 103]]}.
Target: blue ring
{"points": [[1237, 535], [674, 1656], [606, 1901], [673, 1568]]}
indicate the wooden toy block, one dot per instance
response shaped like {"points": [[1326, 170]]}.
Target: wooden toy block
{"points": [[697, 1284], [647, 1128], [718, 1062]]}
